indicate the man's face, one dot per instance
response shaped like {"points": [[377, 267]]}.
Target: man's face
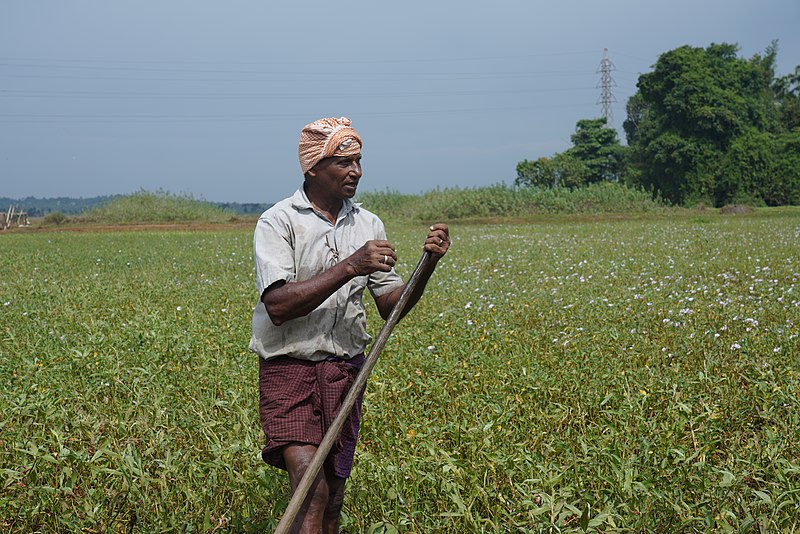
{"points": [[337, 177]]}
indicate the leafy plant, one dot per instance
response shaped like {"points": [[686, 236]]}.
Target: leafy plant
{"points": [[611, 374]]}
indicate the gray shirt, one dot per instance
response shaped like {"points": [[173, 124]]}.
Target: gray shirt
{"points": [[293, 242]]}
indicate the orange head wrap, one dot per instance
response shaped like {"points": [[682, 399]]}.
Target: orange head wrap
{"points": [[324, 138]]}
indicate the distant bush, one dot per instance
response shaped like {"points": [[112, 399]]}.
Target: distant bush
{"points": [[54, 218], [506, 201], [157, 207]]}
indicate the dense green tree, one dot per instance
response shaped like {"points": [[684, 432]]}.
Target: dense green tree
{"points": [[748, 170], [637, 118], [596, 155], [704, 127], [598, 148], [787, 92], [536, 173], [562, 170]]}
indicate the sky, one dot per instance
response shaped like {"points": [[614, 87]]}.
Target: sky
{"points": [[207, 98]]}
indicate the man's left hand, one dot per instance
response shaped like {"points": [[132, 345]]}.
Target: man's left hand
{"points": [[438, 240]]}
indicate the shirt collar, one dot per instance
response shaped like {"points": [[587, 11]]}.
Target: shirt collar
{"points": [[300, 201]]}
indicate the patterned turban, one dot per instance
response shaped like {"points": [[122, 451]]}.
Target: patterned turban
{"points": [[324, 138]]}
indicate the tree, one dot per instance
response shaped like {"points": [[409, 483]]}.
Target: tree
{"points": [[787, 93], [748, 169], [537, 173], [562, 170], [598, 148], [596, 155], [691, 111]]}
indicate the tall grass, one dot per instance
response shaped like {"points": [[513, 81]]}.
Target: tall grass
{"points": [[156, 207], [439, 204], [504, 201]]}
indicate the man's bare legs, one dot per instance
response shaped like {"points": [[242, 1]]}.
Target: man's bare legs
{"points": [[323, 504]]}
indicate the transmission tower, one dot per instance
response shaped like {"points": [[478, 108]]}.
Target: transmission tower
{"points": [[605, 85]]}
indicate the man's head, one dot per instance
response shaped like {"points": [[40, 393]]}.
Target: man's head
{"points": [[325, 138]]}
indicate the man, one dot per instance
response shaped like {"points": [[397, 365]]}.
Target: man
{"points": [[315, 253]]}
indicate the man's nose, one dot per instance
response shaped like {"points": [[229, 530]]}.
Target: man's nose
{"points": [[355, 169]]}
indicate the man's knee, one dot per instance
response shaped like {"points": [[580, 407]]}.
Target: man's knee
{"points": [[318, 497], [297, 458]]}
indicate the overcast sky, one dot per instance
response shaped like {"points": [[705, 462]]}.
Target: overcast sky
{"points": [[208, 98]]}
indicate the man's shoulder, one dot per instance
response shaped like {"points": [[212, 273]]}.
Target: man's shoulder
{"points": [[366, 215], [283, 207]]}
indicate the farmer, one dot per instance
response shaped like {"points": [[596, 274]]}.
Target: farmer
{"points": [[315, 253]]}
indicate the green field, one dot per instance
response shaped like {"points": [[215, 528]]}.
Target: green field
{"points": [[633, 375]]}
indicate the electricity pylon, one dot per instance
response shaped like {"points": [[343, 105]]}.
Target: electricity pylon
{"points": [[605, 85]]}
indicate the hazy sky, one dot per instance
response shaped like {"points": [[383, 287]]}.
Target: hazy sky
{"points": [[208, 98]]}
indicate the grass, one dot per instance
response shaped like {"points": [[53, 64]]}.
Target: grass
{"points": [[504, 201], [599, 375]]}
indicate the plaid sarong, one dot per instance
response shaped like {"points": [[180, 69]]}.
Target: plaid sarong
{"points": [[299, 400]]}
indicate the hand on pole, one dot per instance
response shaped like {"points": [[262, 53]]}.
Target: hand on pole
{"points": [[438, 240]]}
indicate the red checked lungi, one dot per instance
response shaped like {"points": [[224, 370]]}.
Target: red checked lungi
{"points": [[299, 400]]}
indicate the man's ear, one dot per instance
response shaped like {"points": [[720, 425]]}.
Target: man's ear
{"points": [[312, 172]]}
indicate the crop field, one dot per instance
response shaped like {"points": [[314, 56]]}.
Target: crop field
{"points": [[640, 374]]}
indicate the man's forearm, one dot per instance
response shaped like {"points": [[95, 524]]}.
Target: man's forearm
{"points": [[387, 304], [298, 299]]}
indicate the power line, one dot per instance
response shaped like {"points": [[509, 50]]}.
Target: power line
{"points": [[359, 61], [85, 72], [273, 77], [34, 93], [63, 118]]}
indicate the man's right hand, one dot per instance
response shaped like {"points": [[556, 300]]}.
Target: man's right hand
{"points": [[373, 256], [286, 301]]}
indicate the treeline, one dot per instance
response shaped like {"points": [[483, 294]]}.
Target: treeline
{"points": [[39, 207], [705, 127]]}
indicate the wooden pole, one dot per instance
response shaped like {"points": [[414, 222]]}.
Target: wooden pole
{"points": [[332, 435], [8, 217]]}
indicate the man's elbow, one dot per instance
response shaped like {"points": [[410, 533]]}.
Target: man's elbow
{"points": [[386, 310], [275, 314]]}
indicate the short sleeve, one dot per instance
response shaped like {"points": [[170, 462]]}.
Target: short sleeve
{"points": [[380, 282], [273, 251]]}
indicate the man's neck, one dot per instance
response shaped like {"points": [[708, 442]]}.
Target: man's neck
{"points": [[330, 208]]}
